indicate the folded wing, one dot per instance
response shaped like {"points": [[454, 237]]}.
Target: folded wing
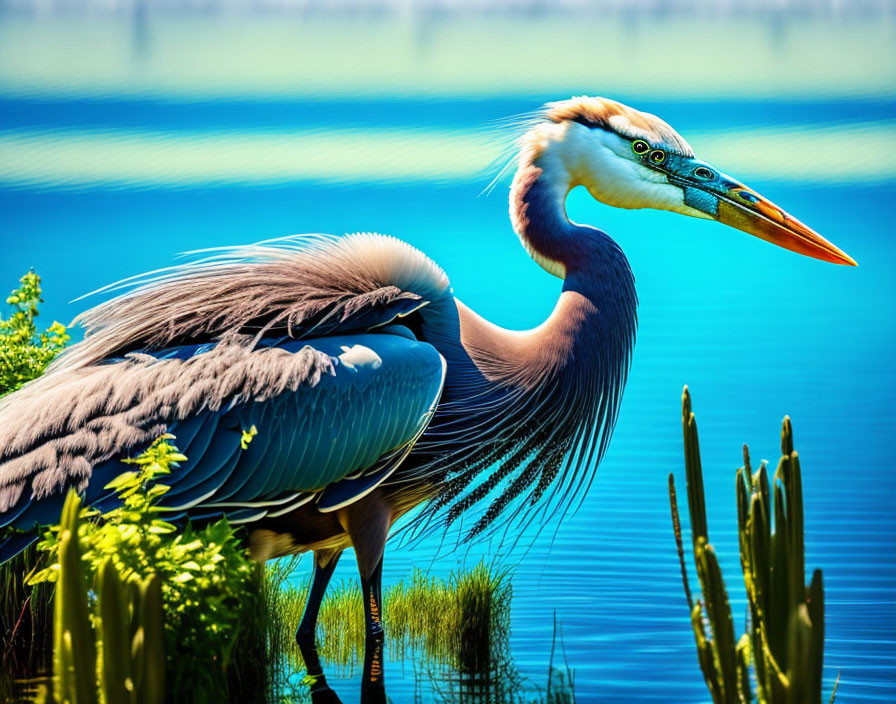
{"points": [[332, 418], [296, 339]]}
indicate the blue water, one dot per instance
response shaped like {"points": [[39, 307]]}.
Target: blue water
{"points": [[756, 333]]}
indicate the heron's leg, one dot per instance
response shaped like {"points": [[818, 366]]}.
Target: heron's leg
{"points": [[367, 523], [373, 689], [324, 564]]}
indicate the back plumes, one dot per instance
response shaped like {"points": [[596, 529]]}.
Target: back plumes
{"points": [[298, 286]]}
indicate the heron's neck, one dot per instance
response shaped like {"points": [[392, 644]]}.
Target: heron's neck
{"points": [[596, 312]]}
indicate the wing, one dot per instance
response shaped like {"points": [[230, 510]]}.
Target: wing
{"points": [[333, 417], [248, 336]]}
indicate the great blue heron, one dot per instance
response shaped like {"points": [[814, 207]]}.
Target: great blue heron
{"points": [[372, 389]]}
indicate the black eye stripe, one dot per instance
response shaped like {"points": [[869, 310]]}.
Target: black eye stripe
{"points": [[590, 124]]}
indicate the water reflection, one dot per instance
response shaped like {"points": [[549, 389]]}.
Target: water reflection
{"points": [[500, 682], [453, 634]]}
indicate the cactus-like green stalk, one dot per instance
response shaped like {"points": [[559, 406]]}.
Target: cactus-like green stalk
{"points": [[785, 640], [130, 630], [113, 606], [152, 652], [74, 650]]}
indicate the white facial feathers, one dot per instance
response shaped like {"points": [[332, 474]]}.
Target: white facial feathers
{"points": [[572, 154]]}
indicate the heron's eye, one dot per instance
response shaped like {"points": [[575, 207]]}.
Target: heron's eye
{"points": [[639, 146], [703, 172], [657, 156]]}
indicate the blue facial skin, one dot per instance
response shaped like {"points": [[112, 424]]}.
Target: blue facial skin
{"points": [[701, 200], [702, 183]]}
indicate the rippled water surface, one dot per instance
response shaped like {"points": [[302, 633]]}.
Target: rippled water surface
{"points": [[125, 139]]}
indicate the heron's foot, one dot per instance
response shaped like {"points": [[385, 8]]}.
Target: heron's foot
{"points": [[320, 690], [325, 696]]}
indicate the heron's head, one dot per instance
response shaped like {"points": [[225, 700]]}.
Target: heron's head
{"points": [[632, 159]]}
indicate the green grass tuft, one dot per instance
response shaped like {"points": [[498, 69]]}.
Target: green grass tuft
{"points": [[455, 631], [456, 622]]}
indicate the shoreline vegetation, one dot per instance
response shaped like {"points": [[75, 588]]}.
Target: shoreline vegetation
{"points": [[26, 635], [194, 610]]}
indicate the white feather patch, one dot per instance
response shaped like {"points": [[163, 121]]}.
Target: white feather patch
{"points": [[359, 356]]}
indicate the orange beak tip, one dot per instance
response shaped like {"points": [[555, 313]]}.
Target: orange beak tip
{"points": [[843, 259]]}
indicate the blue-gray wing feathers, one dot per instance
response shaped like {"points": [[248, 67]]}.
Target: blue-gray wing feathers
{"points": [[331, 441]]}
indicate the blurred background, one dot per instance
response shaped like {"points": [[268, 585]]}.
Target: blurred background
{"points": [[131, 131]]}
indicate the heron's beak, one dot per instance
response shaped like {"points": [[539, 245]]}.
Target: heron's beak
{"points": [[732, 203]]}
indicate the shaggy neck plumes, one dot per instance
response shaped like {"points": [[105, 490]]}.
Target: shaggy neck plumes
{"points": [[554, 390]]}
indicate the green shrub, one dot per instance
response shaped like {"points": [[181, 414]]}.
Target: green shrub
{"points": [[25, 613], [208, 583], [25, 352]]}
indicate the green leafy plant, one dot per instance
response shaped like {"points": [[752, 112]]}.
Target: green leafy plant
{"points": [[784, 642], [207, 582], [24, 350]]}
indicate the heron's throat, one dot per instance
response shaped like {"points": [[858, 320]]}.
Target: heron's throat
{"points": [[537, 205]]}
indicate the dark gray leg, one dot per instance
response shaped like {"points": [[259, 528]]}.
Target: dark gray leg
{"points": [[324, 564], [367, 523], [373, 690]]}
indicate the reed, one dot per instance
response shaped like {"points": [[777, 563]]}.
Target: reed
{"points": [[26, 623], [111, 646], [782, 650], [455, 630], [279, 618]]}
